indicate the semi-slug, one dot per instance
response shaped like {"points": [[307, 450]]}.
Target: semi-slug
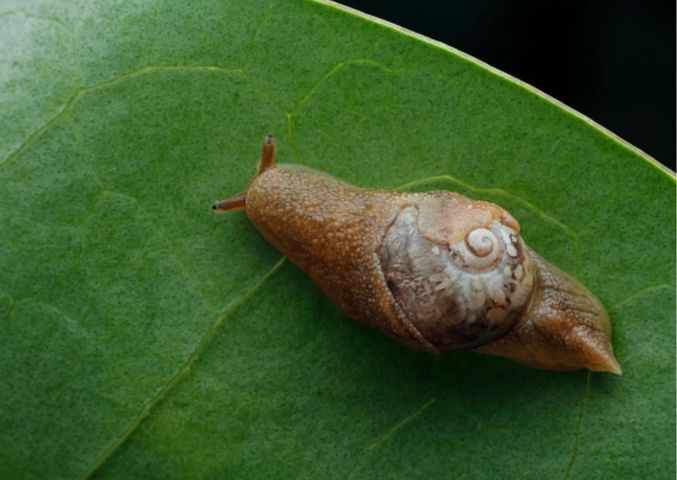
{"points": [[435, 270]]}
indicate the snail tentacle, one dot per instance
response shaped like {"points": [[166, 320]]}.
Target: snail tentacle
{"points": [[435, 270]]}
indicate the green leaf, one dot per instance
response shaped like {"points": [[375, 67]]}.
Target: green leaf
{"points": [[143, 337]]}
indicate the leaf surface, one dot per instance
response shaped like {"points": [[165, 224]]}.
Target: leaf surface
{"points": [[143, 337]]}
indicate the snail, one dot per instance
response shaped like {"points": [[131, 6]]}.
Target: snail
{"points": [[435, 270]]}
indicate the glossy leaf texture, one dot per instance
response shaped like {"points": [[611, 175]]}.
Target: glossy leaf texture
{"points": [[143, 337]]}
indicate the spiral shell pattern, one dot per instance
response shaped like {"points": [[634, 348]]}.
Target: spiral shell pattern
{"points": [[458, 295]]}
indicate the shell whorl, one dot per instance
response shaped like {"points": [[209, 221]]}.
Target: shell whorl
{"points": [[480, 250], [461, 294], [435, 270], [481, 242]]}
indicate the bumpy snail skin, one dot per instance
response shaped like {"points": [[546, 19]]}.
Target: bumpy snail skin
{"points": [[435, 270], [565, 327]]}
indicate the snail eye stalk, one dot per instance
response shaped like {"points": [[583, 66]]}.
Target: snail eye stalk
{"points": [[435, 270]]}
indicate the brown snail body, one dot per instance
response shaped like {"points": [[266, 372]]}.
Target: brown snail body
{"points": [[435, 270]]}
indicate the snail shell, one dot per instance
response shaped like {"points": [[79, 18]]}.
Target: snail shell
{"points": [[435, 270]]}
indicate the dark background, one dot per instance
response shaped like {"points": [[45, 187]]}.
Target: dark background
{"points": [[612, 60]]}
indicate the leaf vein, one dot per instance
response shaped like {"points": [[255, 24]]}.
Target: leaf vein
{"points": [[639, 293], [83, 91], [180, 374], [333, 71], [156, 229], [68, 319], [381, 439], [52, 19], [579, 423], [498, 191]]}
